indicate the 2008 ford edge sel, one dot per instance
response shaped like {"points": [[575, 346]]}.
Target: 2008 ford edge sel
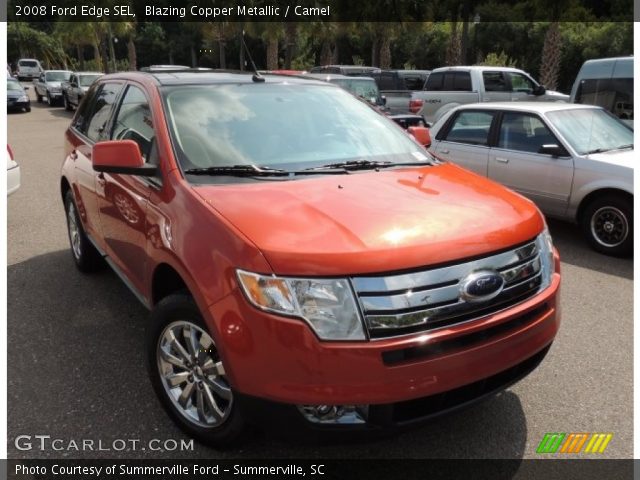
{"points": [[300, 252]]}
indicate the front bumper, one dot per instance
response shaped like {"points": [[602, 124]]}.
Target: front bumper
{"points": [[14, 105], [281, 360], [13, 180]]}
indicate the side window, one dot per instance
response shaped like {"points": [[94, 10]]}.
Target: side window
{"points": [[457, 82], [413, 82], [387, 81], [616, 95], [102, 107], [521, 83], [524, 133], [134, 121], [470, 127], [494, 82], [434, 82]]}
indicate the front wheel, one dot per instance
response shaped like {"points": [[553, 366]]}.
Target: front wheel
{"points": [[67, 105], [38, 96], [607, 224], [188, 374]]}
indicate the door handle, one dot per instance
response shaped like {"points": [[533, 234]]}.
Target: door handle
{"points": [[445, 151], [502, 160]]}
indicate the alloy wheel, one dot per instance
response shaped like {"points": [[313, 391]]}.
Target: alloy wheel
{"points": [[193, 375], [74, 231]]}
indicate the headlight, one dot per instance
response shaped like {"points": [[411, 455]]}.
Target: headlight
{"points": [[545, 247], [327, 305], [23, 98]]}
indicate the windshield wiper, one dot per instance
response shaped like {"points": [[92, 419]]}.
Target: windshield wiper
{"points": [[367, 164], [258, 171], [238, 170]]}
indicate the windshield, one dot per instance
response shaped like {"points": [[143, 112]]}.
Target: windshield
{"points": [[13, 86], [591, 130], [87, 80], [27, 63], [57, 76], [279, 125], [367, 89]]}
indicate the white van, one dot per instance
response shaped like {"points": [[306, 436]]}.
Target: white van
{"points": [[28, 68], [607, 82]]}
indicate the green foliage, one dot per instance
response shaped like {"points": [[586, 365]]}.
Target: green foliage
{"points": [[23, 40], [498, 60]]}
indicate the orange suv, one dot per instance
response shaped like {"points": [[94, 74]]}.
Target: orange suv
{"points": [[300, 252]]}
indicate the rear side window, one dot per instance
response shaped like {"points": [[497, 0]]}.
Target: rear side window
{"points": [[613, 94], [494, 82], [470, 127], [134, 121], [449, 81], [100, 111]]}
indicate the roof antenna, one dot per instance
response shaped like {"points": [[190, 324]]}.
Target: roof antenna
{"points": [[256, 75]]}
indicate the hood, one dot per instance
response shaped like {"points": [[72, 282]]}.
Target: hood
{"points": [[375, 221], [84, 89], [54, 84], [620, 158], [557, 96], [15, 94]]}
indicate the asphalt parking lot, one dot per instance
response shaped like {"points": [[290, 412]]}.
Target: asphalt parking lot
{"points": [[75, 347]]}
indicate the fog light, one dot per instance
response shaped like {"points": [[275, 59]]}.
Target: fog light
{"points": [[335, 414]]}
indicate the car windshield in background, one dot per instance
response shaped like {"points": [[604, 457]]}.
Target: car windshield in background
{"points": [[87, 80], [279, 125], [591, 130], [366, 89], [28, 63], [13, 86], [57, 76]]}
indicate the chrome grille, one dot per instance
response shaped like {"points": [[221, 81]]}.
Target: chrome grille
{"points": [[425, 300]]}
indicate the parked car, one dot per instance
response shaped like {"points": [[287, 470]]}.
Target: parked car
{"points": [[74, 89], [607, 82], [28, 69], [296, 259], [367, 89], [17, 97], [448, 87], [13, 173], [397, 86], [574, 161], [344, 69], [49, 85]]}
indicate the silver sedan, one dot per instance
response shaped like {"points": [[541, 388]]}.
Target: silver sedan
{"points": [[574, 161]]}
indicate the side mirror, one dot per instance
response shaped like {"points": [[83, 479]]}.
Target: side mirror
{"points": [[120, 156], [384, 100], [539, 90], [552, 149], [26, 88], [421, 134]]}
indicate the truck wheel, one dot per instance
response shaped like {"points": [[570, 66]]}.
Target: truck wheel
{"points": [[607, 224], [84, 254], [49, 99], [38, 96], [67, 105], [187, 373]]}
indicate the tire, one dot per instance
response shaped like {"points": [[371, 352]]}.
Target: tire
{"points": [[84, 254], [27, 109], [49, 100], [607, 224], [38, 96], [171, 318], [67, 105]]}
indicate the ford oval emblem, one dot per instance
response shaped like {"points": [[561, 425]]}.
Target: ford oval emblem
{"points": [[481, 286]]}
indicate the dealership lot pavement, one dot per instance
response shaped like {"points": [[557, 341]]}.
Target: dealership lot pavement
{"points": [[76, 347]]}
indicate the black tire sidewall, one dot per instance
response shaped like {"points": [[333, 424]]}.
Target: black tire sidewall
{"points": [[183, 307], [624, 249], [89, 259]]}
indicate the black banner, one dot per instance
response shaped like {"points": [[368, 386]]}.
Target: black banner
{"points": [[348, 469]]}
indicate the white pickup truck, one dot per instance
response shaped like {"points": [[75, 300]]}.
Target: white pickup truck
{"points": [[449, 87], [49, 85]]}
